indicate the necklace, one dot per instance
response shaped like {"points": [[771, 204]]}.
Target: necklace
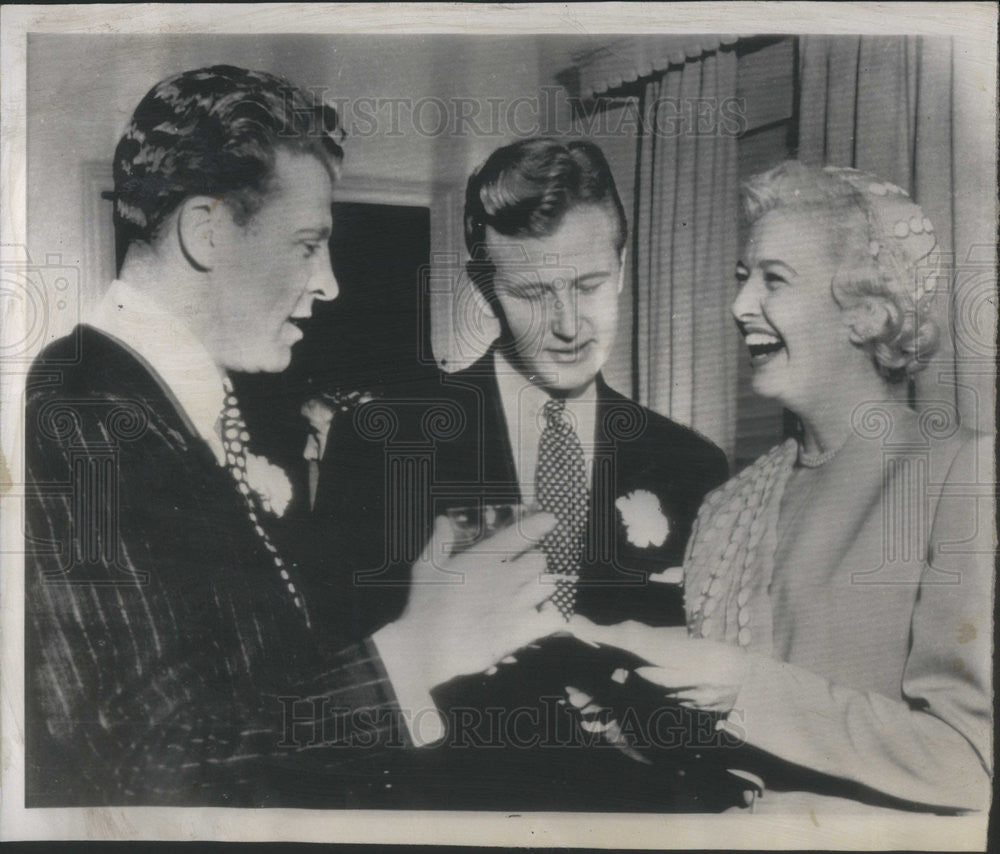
{"points": [[814, 461]]}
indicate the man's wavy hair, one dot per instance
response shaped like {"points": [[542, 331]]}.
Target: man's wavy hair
{"points": [[526, 189], [214, 131], [899, 339]]}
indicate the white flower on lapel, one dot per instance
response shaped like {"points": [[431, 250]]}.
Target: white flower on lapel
{"points": [[644, 521], [270, 483], [319, 413]]}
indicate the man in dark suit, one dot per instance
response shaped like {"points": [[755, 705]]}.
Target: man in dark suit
{"points": [[172, 653], [546, 234], [533, 422]]}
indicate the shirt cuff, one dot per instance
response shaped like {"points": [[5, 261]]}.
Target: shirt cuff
{"points": [[423, 720]]}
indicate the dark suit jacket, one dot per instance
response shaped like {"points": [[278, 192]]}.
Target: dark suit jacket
{"points": [[165, 663], [418, 451]]}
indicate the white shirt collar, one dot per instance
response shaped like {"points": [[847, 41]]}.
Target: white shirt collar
{"points": [[523, 402], [168, 348]]}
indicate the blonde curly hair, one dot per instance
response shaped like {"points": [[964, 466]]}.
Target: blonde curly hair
{"points": [[884, 248]]}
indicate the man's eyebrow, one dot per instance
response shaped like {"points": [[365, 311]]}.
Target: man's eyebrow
{"points": [[597, 274], [771, 262]]}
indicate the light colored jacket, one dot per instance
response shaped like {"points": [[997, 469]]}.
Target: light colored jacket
{"points": [[864, 600]]}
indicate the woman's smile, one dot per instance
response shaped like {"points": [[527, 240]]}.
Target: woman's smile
{"points": [[763, 346]]}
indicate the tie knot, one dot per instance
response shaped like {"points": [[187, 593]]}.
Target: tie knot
{"points": [[554, 409]]}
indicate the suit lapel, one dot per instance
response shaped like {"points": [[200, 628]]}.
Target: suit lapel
{"points": [[600, 534], [617, 452], [140, 382], [484, 448]]}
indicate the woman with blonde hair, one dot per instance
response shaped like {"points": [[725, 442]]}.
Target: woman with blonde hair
{"points": [[839, 590]]}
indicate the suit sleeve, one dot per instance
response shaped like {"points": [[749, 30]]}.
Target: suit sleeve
{"points": [[932, 749], [172, 691]]}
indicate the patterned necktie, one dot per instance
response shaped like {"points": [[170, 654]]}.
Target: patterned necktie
{"points": [[234, 440], [562, 490]]}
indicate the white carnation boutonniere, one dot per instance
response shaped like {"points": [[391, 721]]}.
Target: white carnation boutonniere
{"points": [[645, 524], [319, 413], [270, 483]]}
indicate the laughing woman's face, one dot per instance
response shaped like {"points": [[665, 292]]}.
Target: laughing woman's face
{"points": [[798, 341]]}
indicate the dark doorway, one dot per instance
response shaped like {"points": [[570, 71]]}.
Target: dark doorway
{"points": [[376, 333]]}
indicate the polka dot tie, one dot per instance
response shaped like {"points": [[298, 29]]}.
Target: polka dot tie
{"points": [[562, 490], [234, 441]]}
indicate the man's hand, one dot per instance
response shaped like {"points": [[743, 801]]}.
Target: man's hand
{"points": [[468, 611], [696, 673]]}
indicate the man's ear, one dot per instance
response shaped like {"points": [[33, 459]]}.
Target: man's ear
{"points": [[199, 229], [621, 268]]}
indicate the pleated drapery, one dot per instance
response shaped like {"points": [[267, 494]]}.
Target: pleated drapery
{"points": [[609, 65], [685, 245]]}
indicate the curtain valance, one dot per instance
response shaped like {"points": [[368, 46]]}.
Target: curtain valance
{"points": [[614, 61]]}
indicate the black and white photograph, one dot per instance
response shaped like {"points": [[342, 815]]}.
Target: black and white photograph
{"points": [[507, 425]]}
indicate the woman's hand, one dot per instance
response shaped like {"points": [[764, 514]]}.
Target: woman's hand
{"points": [[699, 674]]}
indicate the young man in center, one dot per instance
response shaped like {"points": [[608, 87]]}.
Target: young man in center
{"points": [[546, 233], [533, 422]]}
